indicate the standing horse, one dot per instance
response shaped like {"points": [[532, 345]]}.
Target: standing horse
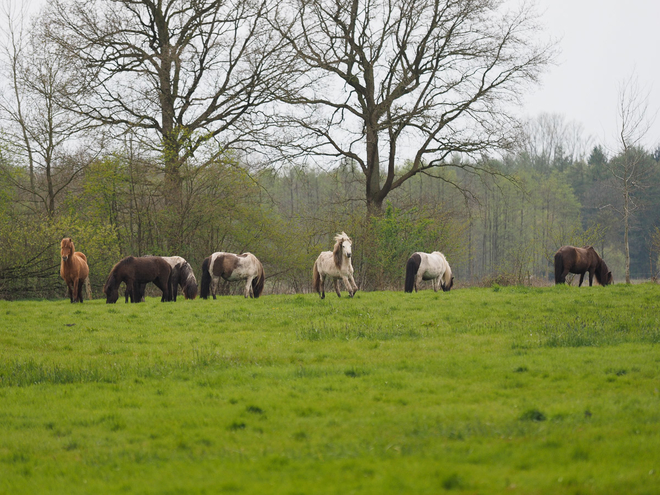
{"points": [[579, 261], [74, 270], [428, 266], [335, 264], [232, 267], [136, 272]]}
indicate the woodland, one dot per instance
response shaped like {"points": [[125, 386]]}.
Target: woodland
{"points": [[185, 128]]}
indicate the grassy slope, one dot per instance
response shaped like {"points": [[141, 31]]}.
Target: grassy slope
{"points": [[479, 391]]}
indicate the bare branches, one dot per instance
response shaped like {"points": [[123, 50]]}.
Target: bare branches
{"points": [[425, 79]]}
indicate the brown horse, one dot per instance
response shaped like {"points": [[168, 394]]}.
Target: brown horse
{"points": [[136, 272], [74, 270], [581, 260]]}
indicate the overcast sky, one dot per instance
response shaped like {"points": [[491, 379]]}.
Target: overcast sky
{"points": [[602, 43]]}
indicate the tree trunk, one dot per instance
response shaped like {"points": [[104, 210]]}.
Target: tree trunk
{"points": [[626, 228]]}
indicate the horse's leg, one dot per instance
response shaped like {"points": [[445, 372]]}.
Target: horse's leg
{"points": [[355, 287], [74, 290], [581, 279], [418, 280], [591, 278], [80, 282], [247, 292], [322, 278], [348, 285], [336, 284]]}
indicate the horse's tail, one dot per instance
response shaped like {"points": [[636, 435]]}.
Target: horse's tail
{"points": [[205, 285], [258, 282], [412, 266], [559, 267], [316, 279], [88, 288]]}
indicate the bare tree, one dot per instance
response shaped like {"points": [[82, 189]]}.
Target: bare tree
{"points": [[382, 81], [183, 72], [40, 130], [633, 164], [549, 139]]}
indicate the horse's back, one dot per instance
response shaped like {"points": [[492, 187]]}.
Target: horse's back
{"points": [[81, 256]]}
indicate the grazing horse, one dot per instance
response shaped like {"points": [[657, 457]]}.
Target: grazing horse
{"points": [[232, 267], [579, 261], [428, 266], [74, 270], [335, 264], [136, 272], [181, 275]]}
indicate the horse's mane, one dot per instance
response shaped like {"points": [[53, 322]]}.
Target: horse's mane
{"points": [[447, 276], [336, 251], [190, 282]]}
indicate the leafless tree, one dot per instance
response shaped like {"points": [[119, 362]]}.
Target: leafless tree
{"points": [[186, 73], [381, 81], [40, 131], [630, 169], [548, 138]]}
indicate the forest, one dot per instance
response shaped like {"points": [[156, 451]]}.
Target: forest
{"points": [[186, 128]]}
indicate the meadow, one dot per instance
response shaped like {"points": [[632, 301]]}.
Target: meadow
{"points": [[483, 390]]}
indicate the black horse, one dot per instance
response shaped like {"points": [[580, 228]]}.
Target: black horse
{"points": [[581, 260], [137, 272]]}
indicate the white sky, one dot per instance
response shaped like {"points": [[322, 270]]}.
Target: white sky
{"points": [[602, 43]]}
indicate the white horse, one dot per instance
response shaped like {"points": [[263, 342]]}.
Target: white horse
{"points": [[425, 266], [335, 264], [232, 267]]}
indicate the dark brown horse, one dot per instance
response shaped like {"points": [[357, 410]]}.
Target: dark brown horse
{"points": [[581, 260], [74, 270], [135, 272], [182, 275]]}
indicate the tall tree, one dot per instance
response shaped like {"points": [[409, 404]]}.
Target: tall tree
{"points": [[420, 79], [634, 163], [40, 130], [184, 72]]}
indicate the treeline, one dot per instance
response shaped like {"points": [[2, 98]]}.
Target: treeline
{"points": [[501, 227], [185, 128]]}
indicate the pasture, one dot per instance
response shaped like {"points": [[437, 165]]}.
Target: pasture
{"points": [[498, 390]]}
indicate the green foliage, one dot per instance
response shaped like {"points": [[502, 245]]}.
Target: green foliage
{"points": [[400, 233], [287, 394]]}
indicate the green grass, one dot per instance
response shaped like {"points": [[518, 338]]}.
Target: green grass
{"points": [[504, 390]]}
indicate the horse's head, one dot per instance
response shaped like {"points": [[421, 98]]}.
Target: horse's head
{"points": [[604, 274], [447, 287], [66, 248], [190, 282], [343, 247], [111, 290]]}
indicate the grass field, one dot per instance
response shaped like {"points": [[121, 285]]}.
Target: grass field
{"points": [[499, 390]]}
